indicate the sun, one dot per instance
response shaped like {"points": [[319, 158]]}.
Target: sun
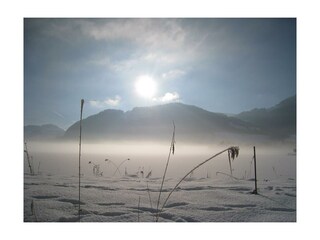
{"points": [[145, 86]]}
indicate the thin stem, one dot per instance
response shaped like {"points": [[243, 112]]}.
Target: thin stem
{"points": [[230, 163], [108, 160], [120, 166], [165, 171], [207, 160], [82, 102], [28, 158], [255, 171]]}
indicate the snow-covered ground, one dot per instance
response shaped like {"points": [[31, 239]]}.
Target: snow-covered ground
{"points": [[124, 199], [209, 195]]}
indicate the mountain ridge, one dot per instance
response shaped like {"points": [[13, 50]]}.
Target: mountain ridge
{"points": [[43, 132], [192, 123], [278, 121]]}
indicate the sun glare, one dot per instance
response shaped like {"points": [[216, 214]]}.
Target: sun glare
{"points": [[145, 86]]}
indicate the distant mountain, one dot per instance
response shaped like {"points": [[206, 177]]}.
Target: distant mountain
{"points": [[278, 121], [156, 123], [43, 132], [192, 124]]}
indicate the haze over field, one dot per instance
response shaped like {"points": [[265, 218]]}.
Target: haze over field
{"points": [[208, 194]]}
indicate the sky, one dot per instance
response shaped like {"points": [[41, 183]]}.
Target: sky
{"points": [[221, 65]]}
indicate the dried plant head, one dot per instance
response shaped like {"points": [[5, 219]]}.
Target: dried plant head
{"points": [[173, 141], [173, 148], [234, 152]]}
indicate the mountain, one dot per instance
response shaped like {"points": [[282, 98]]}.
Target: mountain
{"points": [[278, 121], [156, 123], [43, 132], [192, 124]]}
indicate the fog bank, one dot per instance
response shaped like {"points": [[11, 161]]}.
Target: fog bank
{"points": [[62, 158]]}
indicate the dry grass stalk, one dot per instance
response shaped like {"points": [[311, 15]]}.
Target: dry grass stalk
{"points": [[79, 209], [28, 158], [234, 152], [109, 161], [171, 150], [118, 167]]}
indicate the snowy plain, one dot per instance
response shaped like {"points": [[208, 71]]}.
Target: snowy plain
{"points": [[209, 195], [55, 199]]}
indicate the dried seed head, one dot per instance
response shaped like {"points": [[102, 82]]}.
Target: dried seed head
{"points": [[234, 152]]}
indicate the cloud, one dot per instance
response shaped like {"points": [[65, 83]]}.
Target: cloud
{"points": [[146, 42], [146, 32], [149, 59], [168, 97], [105, 103], [153, 32], [173, 74], [113, 101]]}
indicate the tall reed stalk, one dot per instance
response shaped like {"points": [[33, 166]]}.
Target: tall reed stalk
{"points": [[171, 150], [233, 151], [82, 102]]}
